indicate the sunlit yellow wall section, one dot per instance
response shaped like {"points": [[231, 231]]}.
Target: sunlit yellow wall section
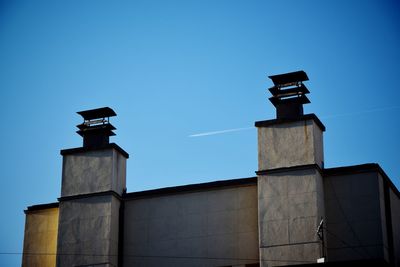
{"points": [[40, 240]]}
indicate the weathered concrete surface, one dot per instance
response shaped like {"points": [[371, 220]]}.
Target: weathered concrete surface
{"points": [[40, 240], [93, 171], [395, 208], [210, 228], [88, 231], [88, 227], [354, 217], [290, 144], [290, 207]]}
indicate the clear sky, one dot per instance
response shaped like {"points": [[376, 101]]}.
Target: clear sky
{"points": [[171, 69]]}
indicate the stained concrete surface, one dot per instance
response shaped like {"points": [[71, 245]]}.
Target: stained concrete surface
{"points": [[354, 226], [93, 171], [88, 231], [210, 228], [290, 144], [290, 208], [395, 207], [40, 240]]}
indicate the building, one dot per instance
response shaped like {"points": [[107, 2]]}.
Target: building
{"points": [[294, 212]]}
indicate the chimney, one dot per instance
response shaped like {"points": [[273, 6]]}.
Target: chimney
{"points": [[91, 205], [289, 94], [96, 128], [290, 181]]}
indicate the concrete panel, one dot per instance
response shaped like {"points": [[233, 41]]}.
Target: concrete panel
{"points": [[40, 239], [395, 208], [274, 208], [290, 209], [290, 144], [88, 231], [353, 217], [93, 171], [210, 228], [274, 233]]}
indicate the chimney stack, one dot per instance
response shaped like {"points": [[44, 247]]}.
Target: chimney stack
{"points": [[90, 206], [290, 181]]}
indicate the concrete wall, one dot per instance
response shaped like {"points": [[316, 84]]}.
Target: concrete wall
{"points": [[290, 209], [210, 228], [289, 144], [395, 208], [88, 232], [40, 240], [93, 171], [354, 226]]}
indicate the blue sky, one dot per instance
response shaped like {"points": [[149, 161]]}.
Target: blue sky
{"points": [[171, 69]]}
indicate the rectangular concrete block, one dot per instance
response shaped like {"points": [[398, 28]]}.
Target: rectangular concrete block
{"points": [[93, 171], [88, 231], [291, 204], [290, 144]]}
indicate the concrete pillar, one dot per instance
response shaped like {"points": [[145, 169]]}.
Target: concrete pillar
{"points": [[290, 190], [93, 180]]}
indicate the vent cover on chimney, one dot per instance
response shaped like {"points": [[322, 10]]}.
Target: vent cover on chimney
{"points": [[96, 128], [289, 94]]}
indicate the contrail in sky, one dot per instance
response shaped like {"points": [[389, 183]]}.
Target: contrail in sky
{"points": [[221, 132], [324, 117]]}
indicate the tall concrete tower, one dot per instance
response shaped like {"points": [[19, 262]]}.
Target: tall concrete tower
{"points": [[93, 181], [290, 188]]}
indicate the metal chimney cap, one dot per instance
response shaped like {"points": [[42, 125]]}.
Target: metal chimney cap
{"points": [[291, 77], [97, 113], [289, 94], [96, 128]]}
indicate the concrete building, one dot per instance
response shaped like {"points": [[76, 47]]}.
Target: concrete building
{"points": [[294, 212]]}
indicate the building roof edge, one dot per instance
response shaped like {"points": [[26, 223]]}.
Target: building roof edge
{"points": [[311, 116], [191, 188], [41, 207], [367, 167], [86, 149]]}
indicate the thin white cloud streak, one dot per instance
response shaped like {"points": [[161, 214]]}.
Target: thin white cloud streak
{"points": [[221, 132], [323, 117]]}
